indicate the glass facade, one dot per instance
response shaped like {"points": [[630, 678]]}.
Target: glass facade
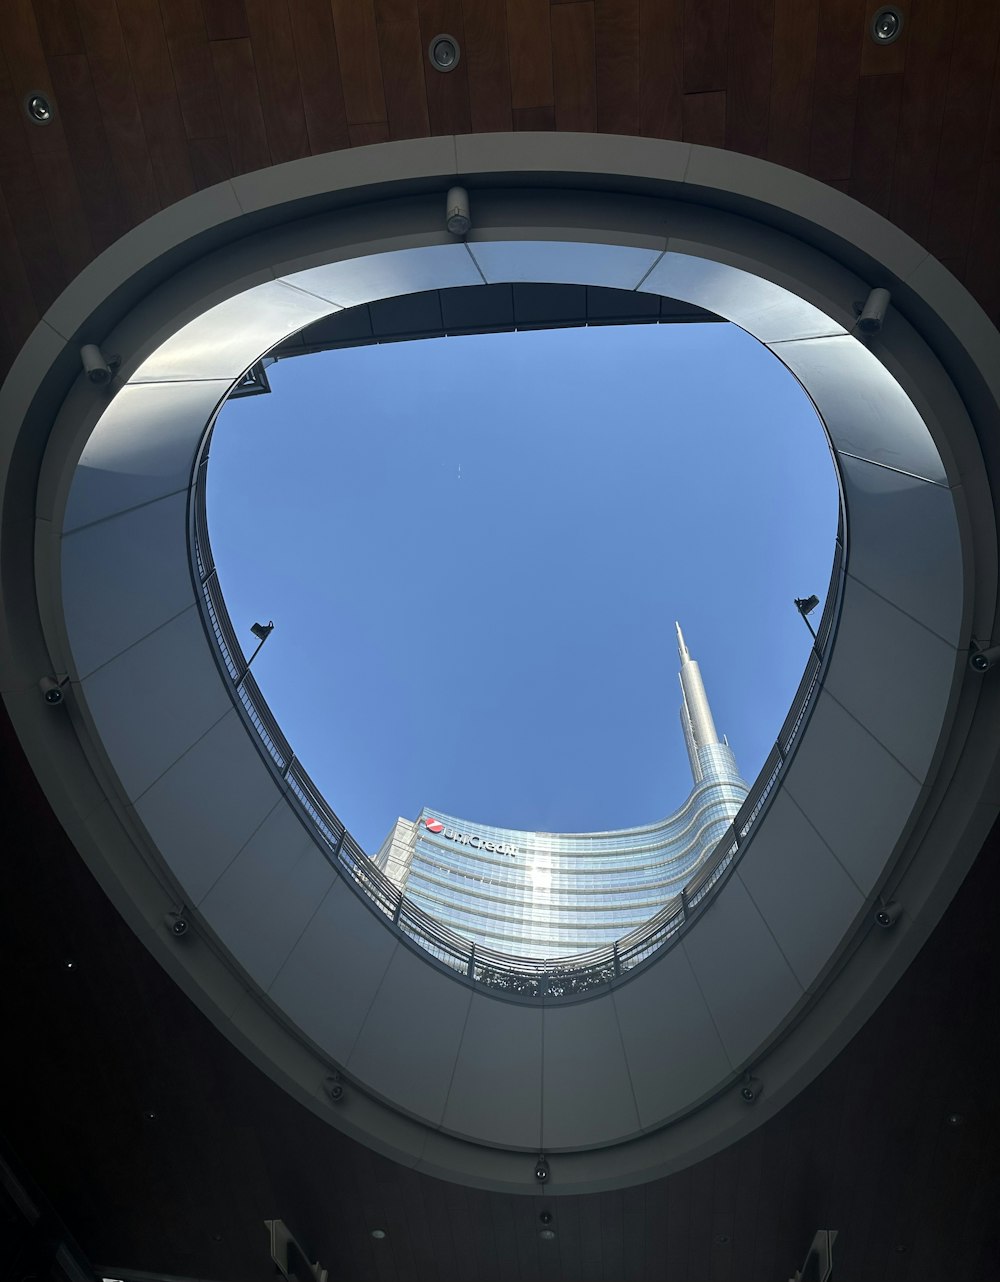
{"points": [[542, 894]]}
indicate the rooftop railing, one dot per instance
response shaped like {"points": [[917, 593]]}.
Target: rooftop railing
{"points": [[503, 974]]}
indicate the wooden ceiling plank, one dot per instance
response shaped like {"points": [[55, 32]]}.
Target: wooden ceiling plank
{"points": [[225, 19], [661, 64], [99, 187], [242, 115], [159, 106], [925, 85], [574, 66], [528, 118], [448, 104], [612, 1222], [706, 45], [194, 75], [28, 70], [835, 93], [748, 88], [319, 75], [529, 42], [793, 69], [485, 52], [58, 26], [360, 65], [402, 61], [967, 106], [881, 59], [274, 57], [366, 135], [211, 161], [115, 93], [704, 118], [617, 39], [875, 149]]}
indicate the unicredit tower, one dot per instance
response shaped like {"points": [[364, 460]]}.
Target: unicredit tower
{"points": [[544, 894]]}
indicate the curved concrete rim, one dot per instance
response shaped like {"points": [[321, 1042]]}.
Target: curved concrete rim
{"points": [[776, 252]]}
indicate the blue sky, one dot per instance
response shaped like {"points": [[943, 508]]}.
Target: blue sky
{"points": [[474, 550]]}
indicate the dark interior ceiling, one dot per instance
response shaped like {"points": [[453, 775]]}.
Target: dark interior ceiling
{"points": [[154, 100]]}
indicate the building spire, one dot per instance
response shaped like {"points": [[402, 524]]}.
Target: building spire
{"points": [[696, 715], [682, 649]]}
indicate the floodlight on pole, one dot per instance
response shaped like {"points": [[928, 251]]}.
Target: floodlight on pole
{"points": [[261, 631], [805, 606]]}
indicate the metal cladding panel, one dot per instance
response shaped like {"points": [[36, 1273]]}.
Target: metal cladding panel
{"points": [[587, 1096], [767, 311], [261, 903], [800, 889], [327, 983], [905, 543], [559, 262], [399, 271], [228, 338], [672, 1047], [407, 1049], [142, 448], [124, 577], [892, 675], [852, 791], [748, 985], [866, 412], [203, 810], [168, 680], [496, 1093]]}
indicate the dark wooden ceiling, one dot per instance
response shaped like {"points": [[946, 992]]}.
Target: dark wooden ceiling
{"points": [[155, 100]]}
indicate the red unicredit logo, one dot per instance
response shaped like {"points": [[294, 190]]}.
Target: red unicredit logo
{"points": [[434, 825]]}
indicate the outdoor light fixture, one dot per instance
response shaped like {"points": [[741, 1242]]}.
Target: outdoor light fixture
{"points": [[98, 367], [982, 660], [378, 1234], [750, 1090], [457, 217], [888, 915], [541, 1170], [52, 689], [805, 606], [38, 109], [444, 53], [261, 631], [871, 313], [886, 24]]}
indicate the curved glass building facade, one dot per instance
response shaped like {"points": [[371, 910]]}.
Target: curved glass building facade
{"points": [[544, 894]]}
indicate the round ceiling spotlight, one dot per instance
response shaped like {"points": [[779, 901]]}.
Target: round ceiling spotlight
{"points": [[378, 1234], [444, 52], [38, 109], [887, 24]]}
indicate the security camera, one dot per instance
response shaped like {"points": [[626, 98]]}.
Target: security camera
{"points": [[871, 313], [98, 369], [457, 217], [750, 1090], [541, 1170], [177, 924], [982, 660], [52, 689], [888, 915], [334, 1088]]}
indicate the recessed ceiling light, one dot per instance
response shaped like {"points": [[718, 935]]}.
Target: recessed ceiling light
{"points": [[149, 1114], [547, 1234], [378, 1234], [887, 24], [38, 109], [444, 52]]}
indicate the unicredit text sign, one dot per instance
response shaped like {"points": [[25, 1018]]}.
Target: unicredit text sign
{"points": [[468, 839]]}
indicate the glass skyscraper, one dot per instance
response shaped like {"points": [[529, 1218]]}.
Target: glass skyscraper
{"points": [[543, 894]]}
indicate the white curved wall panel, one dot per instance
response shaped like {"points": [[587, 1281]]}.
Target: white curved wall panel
{"points": [[556, 262], [800, 889], [915, 572], [407, 1048], [328, 981], [892, 675], [124, 577], [496, 1091], [200, 829], [168, 680], [401, 271], [742, 973], [838, 758], [767, 311], [587, 1096], [229, 337], [865, 410], [671, 1044], [142, 449], [262, 901]]}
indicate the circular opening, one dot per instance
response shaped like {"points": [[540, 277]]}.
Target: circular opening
{"points": [[887, 25], [38, 109], [444, 53]]}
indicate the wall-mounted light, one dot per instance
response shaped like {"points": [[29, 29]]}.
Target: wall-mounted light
{"points": [[887, 24]]}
